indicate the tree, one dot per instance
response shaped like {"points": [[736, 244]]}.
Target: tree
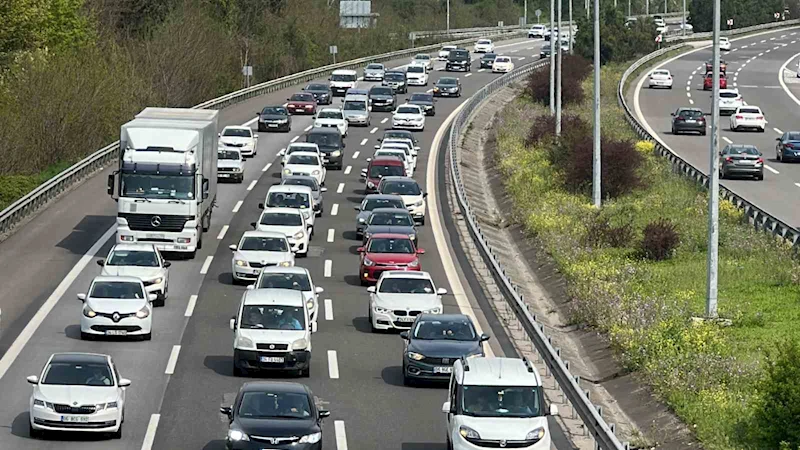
{"points": [[617, 41], [744, 13]]}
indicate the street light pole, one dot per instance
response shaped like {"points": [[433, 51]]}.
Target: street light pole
{"points": [[558, 74], [570, 27], [646, 7], [596, 187], [713, 180], [526, 13], [448, 16], [665, 6], [683, 20], [552, 60]]}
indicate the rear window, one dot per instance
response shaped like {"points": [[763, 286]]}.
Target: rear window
{"points": [[742, 151], [281, 219], [288, 200], [383, 203], [325, 139], [750, 110], [502, 59], [447, 81], [691, 113], [793, 136], [728, 94], [329, 114]]}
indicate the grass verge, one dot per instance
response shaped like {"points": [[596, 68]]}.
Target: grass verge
{"points": [[707, 373], [14, 187]]}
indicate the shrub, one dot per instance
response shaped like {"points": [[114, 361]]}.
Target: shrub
{"points": [[619, 164], [600, 233], [778, 418], [538, 86], [574, 69], [660, 240]]}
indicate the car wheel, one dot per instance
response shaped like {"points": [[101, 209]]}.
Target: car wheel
{"points": [[260, 128], [86, 336], [760, 176], [34, 433], [147, 337], [117, 434], [237, 372]]}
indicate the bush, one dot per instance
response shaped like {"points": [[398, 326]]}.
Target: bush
{"points": [[779, 415], [619, 165], [574, 69], [660, 240], [600, 233]]}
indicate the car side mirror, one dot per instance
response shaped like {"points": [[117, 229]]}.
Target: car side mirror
{"points": [[255, 136], [152, 297], [260, 206], [124, 382], [250, 287], [424, 195], [82, 297], [287, 99], [228, 411], [377, 147], [167, 264], [404, 335], [485, 337], [777, 139], [323, 413], [319, 290], [671, 114], [421, 251], [232, 247], [371, 289], [368, 160], [446, 407], [357, 208], [219, 134], [360, 249], [253, 224], [258, 113], [282, 152], [441, 291], [232, 324], [33, 379], [553, 410], [101, 263]]}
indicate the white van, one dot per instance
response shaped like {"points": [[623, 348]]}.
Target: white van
{"points": [[292, 196], [356, 109], [272, 331], [497, 402], [342, 80]]}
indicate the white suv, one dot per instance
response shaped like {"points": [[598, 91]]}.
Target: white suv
{"points": [[496, 402]]}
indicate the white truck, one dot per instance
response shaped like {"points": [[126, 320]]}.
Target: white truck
{"points": [[166, 182]]}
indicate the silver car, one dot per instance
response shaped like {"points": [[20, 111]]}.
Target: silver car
{"points": [[356, 110], [374, 72], [316, 189]]}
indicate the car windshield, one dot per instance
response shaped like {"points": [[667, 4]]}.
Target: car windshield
{"points": [[288, 200], [317, 87], [422, 57], [421, 98], [133, 258], [394, 219], [343, 77], [281, 219], [375, 67], [502, 59], [501, 401], [455, 330], [325, 139], [273, 317], [416, 69], [489, 56], [355, 105], [394, 76], [407, 110], [118, 290], [447, 82], [691, 113], [484, 41], [458, 54], [229, 154], [742, 151], [280, 405], [301, 98], [304, 160], [304, 181], [406, 286], [728, 94], [401, 188], [180, 187], [274, 110], [264, 244], [381, 91], [381, 170], [750, 110], [383, 203], [237, 132], [329, 114], [78, 374], [388, 245], [295, 281]]}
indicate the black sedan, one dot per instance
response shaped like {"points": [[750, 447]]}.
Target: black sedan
{"points": [[788, 148], [487, 60], [275, 415], [322, 93], [688, 120], [447, 87], [424, 101], [435, 342], [274, 118], [390, 220], [382, 98]]}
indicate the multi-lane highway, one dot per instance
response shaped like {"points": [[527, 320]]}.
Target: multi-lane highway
{"points": [[184, 374], [755, 66]]}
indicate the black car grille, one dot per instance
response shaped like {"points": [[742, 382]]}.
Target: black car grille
{"points": [[119, 317], [400, 313], [276, 440], [501, 444], [440, 361], [399, 324], [276, 347], [224, 169], [391, 264], [144, 222], [128, 328], [67, 409], [229, 144], [257, 265]]}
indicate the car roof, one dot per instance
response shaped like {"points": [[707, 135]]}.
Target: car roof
{"points": [[406, 274], [274, 386], [140, 247], [78, 358], [334, 109], [236, 127], [292, 269], [273, 296], [290, 187], [117, 278], [484, 371], [302, 144], [351, 97], [390, 210], [344, 72], [264, 234], [386, 160], [409, 105], [390, 236], [282, 210]]}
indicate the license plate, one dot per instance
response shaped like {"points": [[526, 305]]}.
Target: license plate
{"points": [[691, 121], [298, 110], [116, 332], [180, 247], [273, 125], [272, 359], [445, 369], [155, 236], [224, 175], [74, 419], [406, 319]]}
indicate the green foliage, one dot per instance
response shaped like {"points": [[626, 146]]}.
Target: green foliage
{"points": [[779, 416], [617, 42], [744, 13]]}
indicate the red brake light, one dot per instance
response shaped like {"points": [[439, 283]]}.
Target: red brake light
{"points": [[728, 159], [739, 117], [760, 160], [760, 118]]}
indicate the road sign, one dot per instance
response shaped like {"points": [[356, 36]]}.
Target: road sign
{"points": [[777, 15], [538, 13], [247, 71], [333, 49], [730, 22], [658, 38]]}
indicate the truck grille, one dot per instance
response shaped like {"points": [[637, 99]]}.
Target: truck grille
{"points": [[146, 222]]}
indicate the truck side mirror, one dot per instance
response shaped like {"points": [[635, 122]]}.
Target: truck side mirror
{"points": [[205, 188], [111, 185]]}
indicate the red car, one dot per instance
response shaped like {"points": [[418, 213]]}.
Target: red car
{"points": [[387, 251], [708, 81], [302, 103], [723, 66], [382, 166]]}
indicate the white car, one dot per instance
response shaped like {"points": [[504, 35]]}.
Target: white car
{"points": [[374, 72], [660, 78], [292, 196], [77, 392], [395, 153], [416, 75], [687, 26], [296, 278], [408, 116], [343, 79], [662, 30], [331, 117], [409, 191], [272, 331], [537, 31], [729, 100], [659, 22], [748, 117], [411, 155], [502, 64], [298, 147], [445, 52], [259, 249], [484, 46], [724, 44], [422, 59], [239, 137], [116, 306], [142, 261], [412, 292], [305, 163], [291, 223], [230, 164]]}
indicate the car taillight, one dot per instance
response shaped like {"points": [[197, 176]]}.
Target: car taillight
{"points": [[760, 161], [679, 119], [760, 118], [790, 145], [729, 159], [739, 117]]}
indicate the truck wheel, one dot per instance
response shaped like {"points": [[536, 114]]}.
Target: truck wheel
{"points": [[206, 222], [199, 240]]}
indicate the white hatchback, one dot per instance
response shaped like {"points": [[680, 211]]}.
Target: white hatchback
{"points": [[333, 118], [241, 138], [115, 307], [305, 163], [288, 221], [484, 46], [408, 116], [502, 64], [259, 249], [660, 78], [416, 75], [444, 53], [724, 44]]}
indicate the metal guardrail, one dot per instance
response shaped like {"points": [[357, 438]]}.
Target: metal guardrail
{"points": [[590, 414], [759, 218], [52, 188]]}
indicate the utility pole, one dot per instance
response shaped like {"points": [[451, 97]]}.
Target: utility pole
{"points": [[586, 8], [448, 17], [526, 13], [646, 7], [571, 28], [558, 74], [596, 186], [629, 8], [665, 6], [552, 59], [713, 180], [683, 20]]}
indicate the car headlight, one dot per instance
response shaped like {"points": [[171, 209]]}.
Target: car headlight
{"points": [[336, 153], [414, 263], [300, 344], [283, 121], [111, 405], [381, 310], [412, 236], [158, 280], [468, 433], [368, 262], [244, 342], [241, 263], [236, 435], [416, 356], [419, 203], [316, 172], [310, 304], [535, 435], [312, 438], [42, 404], [299, 235], [437, 310], [88, 312], [143, 313], [287, 171], [236, 169], [362, 220]]}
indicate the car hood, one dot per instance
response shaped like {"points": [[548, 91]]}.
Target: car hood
{"points": [[416, 75], [337, 122], [352, 112], [448, 87], [144, 273], [299, 102], [372, 229], [508, 428], [273, 336], [277, 427], [421, 103], [301, 168], [263, 256], [235, 140], [381, 97], [407, 116], [271, 117], [107, 305], [82, 395], [374, 71], [411, 199], [392, 258], [443, 348], [411, 301], [289, 231], [229, 163]]}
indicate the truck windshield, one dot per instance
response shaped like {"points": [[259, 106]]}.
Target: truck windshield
{"points": [[158, 186]]}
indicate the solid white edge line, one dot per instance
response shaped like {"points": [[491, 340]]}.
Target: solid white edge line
{"points": [[341, 435], [252, 185], [173, 359], [206, 264], [328, 309], [190, 306], [27, 333], [782, 83], [237, 206], [150, 434], [335, 209], [457, 289], [333, 365], [222, 232], [340, 189], [294, 139], [328, 268], [331, 234]]}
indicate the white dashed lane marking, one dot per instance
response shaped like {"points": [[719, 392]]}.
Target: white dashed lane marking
{"points": [[252, 185], [173, 359], [771, 169], [372, 131], [333, 365], [328, 268], [364, 141], [335, 209], [777, 130], [266, 168], [237, 206], [355, 155], [206, 265], [308, 128], [331, 234], [190, 306], [222, 232], [385, 119], [294, 139], [340, 189], [341, 435], [727, 140], [347, 170], [328, 309]]}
